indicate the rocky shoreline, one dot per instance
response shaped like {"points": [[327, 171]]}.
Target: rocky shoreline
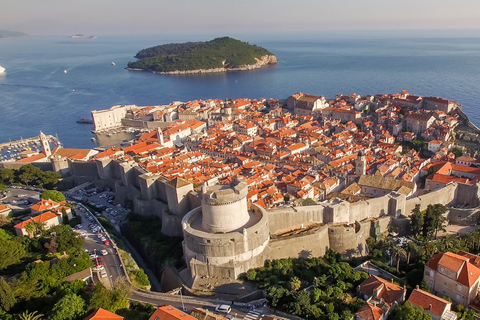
{"points": [[263, 61]]}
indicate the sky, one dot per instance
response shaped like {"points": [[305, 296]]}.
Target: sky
{"points": [[100, 17]]}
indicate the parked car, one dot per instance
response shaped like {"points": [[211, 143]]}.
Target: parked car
{"points": [[223, 308], [104, 252], [106, 242], [103, 274]]}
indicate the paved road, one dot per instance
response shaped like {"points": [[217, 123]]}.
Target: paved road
{"points": [[189, 303], [94, 245]]}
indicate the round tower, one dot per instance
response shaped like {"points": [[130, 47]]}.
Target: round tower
{"points": [[224, 207]]}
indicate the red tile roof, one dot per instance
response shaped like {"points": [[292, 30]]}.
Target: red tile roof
{"points": [[44, 217], [369, 312], [387, 291], [170, 313], [102, 314], [429, 302]]}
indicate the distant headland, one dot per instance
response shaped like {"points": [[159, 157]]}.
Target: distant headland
{"points": [[4, 34], [218, 55], [82, 36]]}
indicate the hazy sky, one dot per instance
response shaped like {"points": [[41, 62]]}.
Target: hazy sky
{"points": [[99, 17]]}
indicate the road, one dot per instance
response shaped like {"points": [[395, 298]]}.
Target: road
{"points": [[193, 302], [93, 244]]}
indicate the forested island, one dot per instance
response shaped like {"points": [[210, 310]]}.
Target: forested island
{"points": [[218, 55], [4, 34]]}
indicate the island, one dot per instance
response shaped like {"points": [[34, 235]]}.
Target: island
{"points": [[218, 55], [4, 34], [82, 36]]}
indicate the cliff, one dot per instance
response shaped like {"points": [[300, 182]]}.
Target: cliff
{"points": [[218, 55], [263, 61]]}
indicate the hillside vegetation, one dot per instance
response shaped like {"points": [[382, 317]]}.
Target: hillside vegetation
{"points": [[218, 53]]}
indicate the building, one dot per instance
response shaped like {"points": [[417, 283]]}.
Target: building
{"points": [[380, 296], [109, 118], [438, 308], [376, 288], [4, 210], [170, 313], [305, 104], [435, 103], [376, 186], [372, 311], [342, 114], [43, 205], [419, 122], [49, 218], [102, 314], [453, 275]]}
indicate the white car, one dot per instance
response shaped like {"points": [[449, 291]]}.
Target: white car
{"points": [[99, 268], [104, 252], [103, 274], [93, 256]]}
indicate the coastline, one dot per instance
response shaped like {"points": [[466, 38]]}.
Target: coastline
{"points": [[262, 62]]}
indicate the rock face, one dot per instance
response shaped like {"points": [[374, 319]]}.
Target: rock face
{"points": [[263, 61]]}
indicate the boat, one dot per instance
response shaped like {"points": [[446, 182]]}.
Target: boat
{"points": [[2, 69], [64, 71], [93, 139], [108, 134], [83, 120], [113, 63]]}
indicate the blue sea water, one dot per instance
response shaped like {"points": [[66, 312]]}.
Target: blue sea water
{"points": [[36, 94]]}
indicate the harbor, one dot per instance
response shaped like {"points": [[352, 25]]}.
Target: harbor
{"points": [[16, 150]]}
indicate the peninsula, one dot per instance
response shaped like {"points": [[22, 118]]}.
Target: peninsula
{"points": [[4, 34], [218, 55]]}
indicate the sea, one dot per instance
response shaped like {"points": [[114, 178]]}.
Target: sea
{"points": [[50, 82]]}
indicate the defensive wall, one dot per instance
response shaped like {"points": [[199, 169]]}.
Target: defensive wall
{"points": [[340, 225]]}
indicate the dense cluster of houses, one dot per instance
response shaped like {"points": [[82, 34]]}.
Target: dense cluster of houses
{"points": [[312, 148]]}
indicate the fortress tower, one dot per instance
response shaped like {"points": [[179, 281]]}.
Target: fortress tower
{"points": [[222, 238], [224, 207]]}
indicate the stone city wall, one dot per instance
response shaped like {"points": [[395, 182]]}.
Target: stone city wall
{"points": [[464, 216]]}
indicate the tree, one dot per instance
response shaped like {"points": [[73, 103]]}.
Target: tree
{"points": [[11, 252], [28, 173], [35, 228], [3, 187], [424, 286], [417, 220], [49, 178], [53, 195], [408, 312], [434, 220], [69, 307], [66, 240], [30, 315], [7, 297], [295, 284], [7, 176], [111, 300]]}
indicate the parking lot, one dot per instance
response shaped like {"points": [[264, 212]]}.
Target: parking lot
{"points": [[102, 202], [20, 198]]}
